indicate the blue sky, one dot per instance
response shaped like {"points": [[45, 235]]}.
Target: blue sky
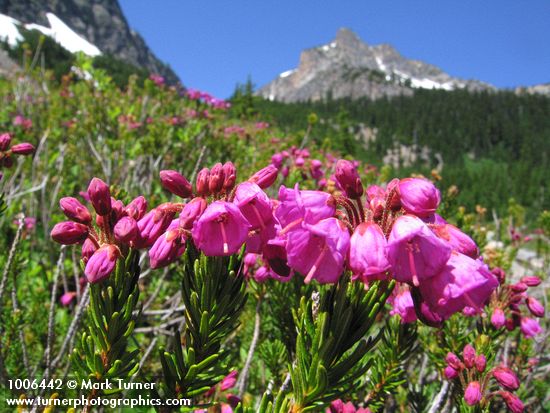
{"points": [[214, 44]]}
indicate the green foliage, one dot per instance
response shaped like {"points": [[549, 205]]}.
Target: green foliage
{"points": [[102, 351], [214, 296], [398, 343]]}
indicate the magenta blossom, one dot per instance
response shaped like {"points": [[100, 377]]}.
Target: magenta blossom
{"points": [[254, 204], [348, 179], [69, 233], [459, 241], [530, 327], [462, 282], [221, 230], [473, 395], [168, 247], [102, 263], [419, 196], [506, 378], [367, 255], [296, 206], [176, 183], [403, 306], [100, 196], [73, 209], [414, 252], [318, 251]]}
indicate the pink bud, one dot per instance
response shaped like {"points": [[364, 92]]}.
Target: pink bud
{"points": [[24, 148], [506, 378], [498, 318], [101, 264], [5, 140], [69, 233], [450, 373], [530, 327], [512, 402], [66, 298], [73, 209], [100, 196], [519, 287], [469, 355], [500, 274], [230, 176], [217, 178], [265, 177], [126, 230], [136, 208], [419, 196], [88, 249], [191, 211], [480, 363], [201, 184], [472, 395], [530, 281], [347, 176], [536, 308], [453, 361], [229, 381], [176, 183]]}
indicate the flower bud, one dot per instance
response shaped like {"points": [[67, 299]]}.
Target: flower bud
{"points": [[480, 363], [469, 355], [136, 208], [101, 264], [88, 249], [230, 176], [100, 196], [347, 176], [6, 161], [201, 184], [512, 401], [498, 318], [450, 373], [191, 211], [500, 274], [73, 209], [176, 183], [472, 395], [530, 281], [66, 298], [519, 287], [265, 177], [506, 378], [453, 361], [217, 178], [24, 148], [125, 230], [530, 327], [536, 308], [5, 140], [69, 233], [419, 196]]}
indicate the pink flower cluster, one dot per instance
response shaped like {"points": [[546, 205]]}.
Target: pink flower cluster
{"points": [[300, 159], [509, 299], [7, 151], [393, 234], [338, 406], [117, 228], [207, 98], [470, 371]]}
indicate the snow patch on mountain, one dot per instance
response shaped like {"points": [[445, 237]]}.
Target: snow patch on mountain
{"points": [[58, 31]]}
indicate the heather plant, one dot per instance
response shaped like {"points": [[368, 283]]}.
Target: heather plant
{"points": [[245, 269]]}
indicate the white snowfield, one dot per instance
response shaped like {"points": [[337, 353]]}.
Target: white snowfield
{"points": [[58, 31]]}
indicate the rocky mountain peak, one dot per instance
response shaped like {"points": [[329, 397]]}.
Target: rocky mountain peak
{"points": [[100, 22], [349, 67]]}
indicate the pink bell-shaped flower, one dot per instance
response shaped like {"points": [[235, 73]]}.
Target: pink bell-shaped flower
{"points": [[368, 252], [414, 251], [472, 394], [254, 205], [318, 251], [462, 282], [459, 241], [168, 247], [221, 230], [308, 206], [530, 327]]}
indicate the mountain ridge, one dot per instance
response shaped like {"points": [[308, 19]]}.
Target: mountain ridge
{"points": [[349, 67], [101, 22]]}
